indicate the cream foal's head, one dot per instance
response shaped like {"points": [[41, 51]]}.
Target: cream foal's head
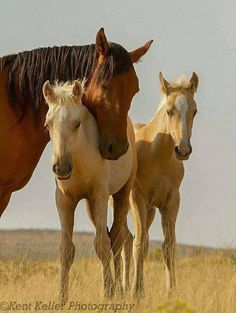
{"points": [[63, 120], [180, 109]]}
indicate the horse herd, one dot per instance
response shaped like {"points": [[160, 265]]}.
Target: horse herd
{"points": [[78, 97]]}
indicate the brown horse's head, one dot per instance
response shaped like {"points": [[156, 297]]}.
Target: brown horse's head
{"points": [[110, 92], [180, 109]]}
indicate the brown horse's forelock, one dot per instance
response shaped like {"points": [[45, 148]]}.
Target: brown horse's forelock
{"points": [[30, 69]]}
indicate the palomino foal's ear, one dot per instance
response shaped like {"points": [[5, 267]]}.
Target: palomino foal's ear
{"points": [[48, 92], [165, 85], [138, 53], [102, 45], [77, 90], [194, 82]]}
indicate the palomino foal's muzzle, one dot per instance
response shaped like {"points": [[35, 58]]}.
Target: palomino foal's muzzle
{"points": [[62, 170], [183, 154]]}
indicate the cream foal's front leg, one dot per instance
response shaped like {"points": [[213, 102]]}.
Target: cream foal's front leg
{"points": [[66, 208], [102, 243]]}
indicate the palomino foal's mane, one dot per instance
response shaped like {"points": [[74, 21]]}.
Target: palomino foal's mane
{"points": [[181, 83], [63, 93]]}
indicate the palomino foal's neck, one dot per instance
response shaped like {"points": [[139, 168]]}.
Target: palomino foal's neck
{"points": [[159, 128]]}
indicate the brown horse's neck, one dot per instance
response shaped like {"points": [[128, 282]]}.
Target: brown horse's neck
{"points": [[161, 139]]}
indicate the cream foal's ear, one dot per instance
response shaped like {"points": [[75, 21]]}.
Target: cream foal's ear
{"points": [[48, 92], [194, 82], [136, 54], [165, 85], [78, 89]]}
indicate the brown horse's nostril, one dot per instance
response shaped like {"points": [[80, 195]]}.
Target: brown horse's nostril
{"points": [[111, 147]]}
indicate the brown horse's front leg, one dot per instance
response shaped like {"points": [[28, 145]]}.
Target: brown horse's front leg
{"points": [[4, 200], [102, 241], [118, 233], [66, 207]]}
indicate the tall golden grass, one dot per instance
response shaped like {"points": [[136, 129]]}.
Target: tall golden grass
{"points": [[206, 284]]}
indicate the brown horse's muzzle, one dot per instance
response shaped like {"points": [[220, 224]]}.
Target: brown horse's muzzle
{"points": [[112, 150]]}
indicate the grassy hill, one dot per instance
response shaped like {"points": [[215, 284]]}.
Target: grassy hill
{"points": [[44, 245]]}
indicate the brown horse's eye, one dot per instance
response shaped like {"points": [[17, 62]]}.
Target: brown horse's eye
{"points": [[194, 113], [104, 87], [170, 113]]}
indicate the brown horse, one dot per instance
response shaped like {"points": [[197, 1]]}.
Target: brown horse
{"points": [[111, 85]]}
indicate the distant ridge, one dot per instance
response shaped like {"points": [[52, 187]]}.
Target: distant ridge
{"points": [[35, 244]]}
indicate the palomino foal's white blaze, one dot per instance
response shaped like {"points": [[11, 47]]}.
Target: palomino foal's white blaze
{"points": [[181, 104]]}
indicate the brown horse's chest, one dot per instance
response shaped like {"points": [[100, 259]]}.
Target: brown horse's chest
{"points": [[21, 148]]}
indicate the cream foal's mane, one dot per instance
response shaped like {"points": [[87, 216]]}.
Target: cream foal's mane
{"points": [[63, 92], [182, 82]]}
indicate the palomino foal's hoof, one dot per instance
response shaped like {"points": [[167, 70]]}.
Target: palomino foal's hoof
{"points": [[119, 291], [137, 293], [171, 293], [109, 292]]}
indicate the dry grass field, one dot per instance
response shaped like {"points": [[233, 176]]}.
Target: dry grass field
{"points": [[206, 282]]}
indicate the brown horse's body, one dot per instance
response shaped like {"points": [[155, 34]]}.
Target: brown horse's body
{"points": [[109, 72], [21, 145]]}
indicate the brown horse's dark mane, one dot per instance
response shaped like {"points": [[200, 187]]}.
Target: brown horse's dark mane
{"points": [[29, 70]]}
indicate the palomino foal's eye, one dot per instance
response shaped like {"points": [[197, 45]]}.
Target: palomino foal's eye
{"points": [[46, 126], [194, 113], [77, 125]]}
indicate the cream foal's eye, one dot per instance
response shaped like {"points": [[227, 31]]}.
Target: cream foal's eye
{"points": [[194, 113], [46, 126], [77, 125]]}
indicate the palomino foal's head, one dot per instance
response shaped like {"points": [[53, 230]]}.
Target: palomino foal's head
{"points": [[180, 109], [63, 121]]}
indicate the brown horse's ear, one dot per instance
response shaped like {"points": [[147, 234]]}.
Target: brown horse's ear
{"points": [[165, 85], [48, 92], [138, 53], [102, 45], [194, 82], [77, 90]]}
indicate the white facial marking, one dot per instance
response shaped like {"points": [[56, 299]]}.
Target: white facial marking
{"points": [[181, 104], [63, 114]]}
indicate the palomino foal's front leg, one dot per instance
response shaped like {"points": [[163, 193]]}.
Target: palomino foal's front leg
{"points": [[139, 210], [102, 242], [168, 220], [66, 207]]}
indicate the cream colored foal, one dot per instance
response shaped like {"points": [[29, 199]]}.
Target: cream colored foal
{"points": [[81, 173]]}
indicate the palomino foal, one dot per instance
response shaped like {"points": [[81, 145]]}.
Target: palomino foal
{"points": [[81, 173], [162, 145]]}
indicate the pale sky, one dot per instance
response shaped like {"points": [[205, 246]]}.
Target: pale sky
{"points": [[188, 36]]}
